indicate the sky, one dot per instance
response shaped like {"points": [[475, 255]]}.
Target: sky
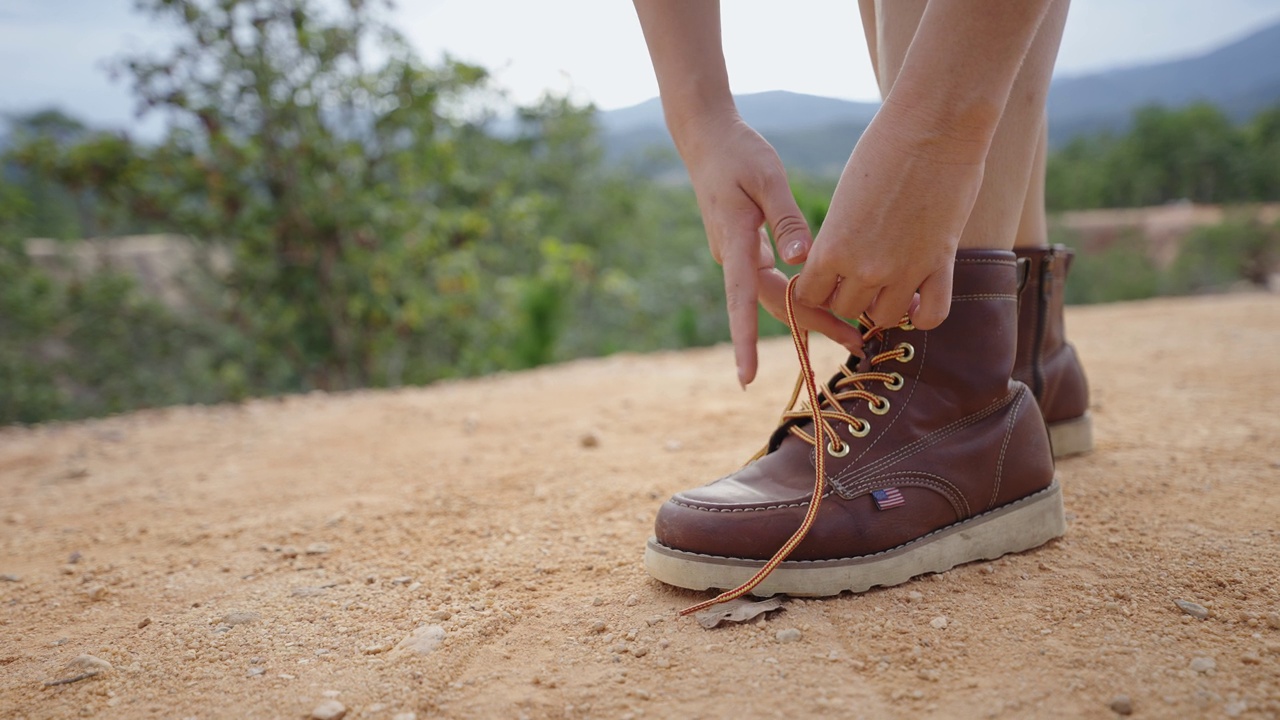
{"points": [[53, 52]]}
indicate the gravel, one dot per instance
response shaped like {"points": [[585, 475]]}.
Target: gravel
{"points": [[1195, 610]]}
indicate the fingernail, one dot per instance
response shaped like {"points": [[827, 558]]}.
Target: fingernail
{"points": [[794, 251]]}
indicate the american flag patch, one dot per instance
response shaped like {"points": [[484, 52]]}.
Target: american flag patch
{"points": [[887, 498]]}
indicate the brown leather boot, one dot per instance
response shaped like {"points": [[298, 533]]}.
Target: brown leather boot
{"points": [[1046, 362], [936, 458]]}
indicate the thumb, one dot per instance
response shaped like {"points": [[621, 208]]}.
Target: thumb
{"points": [[790, 231]]}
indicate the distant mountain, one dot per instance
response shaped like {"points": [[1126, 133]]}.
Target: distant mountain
{"points": [[815, 134]]}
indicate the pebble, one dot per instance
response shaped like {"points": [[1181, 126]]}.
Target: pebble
{"points": [[422, 641], [1195, 610], [940, 622], [240, 618], [662, 663], [632, 601], [405, 716], [1235, 708], [1203, 664], [1121, 704], [75, 557], [598, 627], [307, 591], [375, 649], [143, 623], [317, 548], [255, 671], [915, 596], [441, 615], [10, 577], [329, 710], [88, 664], [97, 592], [289, 552], [589, 440], [1273, 620], [788, 635]]}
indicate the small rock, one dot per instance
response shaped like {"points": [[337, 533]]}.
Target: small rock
{"points": [[1273, 620], [289, 552], [405, 716], [1195, 610], [673, 446], [88, 664], [441, 615], [307, 591], [1203, 664], [598, 627], [788, 635], [639, 651], [255, 671], [662, 663], [97, 592], [10, 577], [143, 623], [403, 580], [318, 548], [589, 440], [74, 558], [632, 601], [240, 618], [329, 710], [597, 601], [421, 641], [1235, 708], [940, 622], [375, 649], [915, 596], [1121, 705]]}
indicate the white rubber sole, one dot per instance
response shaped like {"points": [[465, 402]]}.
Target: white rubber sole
{"points": [[1071, 437], [1020, 525]]}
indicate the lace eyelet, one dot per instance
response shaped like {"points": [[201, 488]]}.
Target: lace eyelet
{"points": [[844, 450], [909, 351], [881, 407], [865, 428], [897, 383]]}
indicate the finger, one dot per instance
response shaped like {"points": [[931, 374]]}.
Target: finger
{"points": [[773, 294], [851, 298], [890, 306], [790, 230], [740, 295], [765, 250], [935, 300]]}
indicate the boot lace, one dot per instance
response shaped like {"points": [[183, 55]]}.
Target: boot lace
{"points": [[823, 407]]}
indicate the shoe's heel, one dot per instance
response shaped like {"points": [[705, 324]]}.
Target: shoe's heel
{"points": [[1071, 437]]}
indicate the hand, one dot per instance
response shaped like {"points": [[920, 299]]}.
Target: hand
{"points": [[894, 224], [741, 186]]}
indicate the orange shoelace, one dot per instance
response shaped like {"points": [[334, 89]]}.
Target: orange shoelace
{"points": [[850, 387]]}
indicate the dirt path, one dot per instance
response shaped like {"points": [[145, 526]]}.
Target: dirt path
{"points": [[255, 561]]}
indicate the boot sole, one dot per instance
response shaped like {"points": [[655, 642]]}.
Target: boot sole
{"points": [[1020, 525], [1071, 437]]}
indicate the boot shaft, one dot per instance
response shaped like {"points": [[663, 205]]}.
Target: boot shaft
{"points": [[1045, 361]]}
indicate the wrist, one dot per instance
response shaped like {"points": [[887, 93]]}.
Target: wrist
{"points": [[952, 128]]}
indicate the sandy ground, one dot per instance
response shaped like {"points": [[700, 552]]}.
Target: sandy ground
{"points": [[264, 559]]}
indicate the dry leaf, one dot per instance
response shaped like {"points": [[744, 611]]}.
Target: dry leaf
{"points": [[736, 611]]}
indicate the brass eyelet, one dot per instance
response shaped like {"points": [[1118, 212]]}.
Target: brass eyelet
{"points": [[865, 428], [881, 407], [897, 383], [844, 450], [909, 352]]}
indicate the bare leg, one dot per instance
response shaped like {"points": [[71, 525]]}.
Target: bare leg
{"points": [[1014, 165], [1033, 229]]}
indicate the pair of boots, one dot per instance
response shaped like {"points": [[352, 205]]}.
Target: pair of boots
{"points": [[937, 449]]}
